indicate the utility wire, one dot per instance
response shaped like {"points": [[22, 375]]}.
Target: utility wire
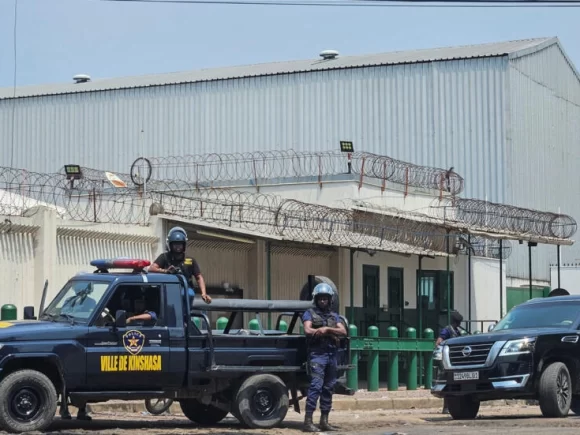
{"points": [[376, 3]]}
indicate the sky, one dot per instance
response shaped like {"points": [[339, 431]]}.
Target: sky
{"points": [[57, 39]]}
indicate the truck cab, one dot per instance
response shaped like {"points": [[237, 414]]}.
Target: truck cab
{"points": [[532, 353], [90, 345]]}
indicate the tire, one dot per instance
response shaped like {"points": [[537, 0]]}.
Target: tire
{"points": [[201, 414], [28, 402], [158, 406], [306, 294], [262, 401], [555, 392], [463, 408]]}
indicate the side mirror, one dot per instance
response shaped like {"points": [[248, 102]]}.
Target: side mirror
{"points": [[29, 313], [490, 327], [121, 319]]}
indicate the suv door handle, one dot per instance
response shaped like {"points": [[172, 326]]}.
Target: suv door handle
{"points": [[570, 339]]}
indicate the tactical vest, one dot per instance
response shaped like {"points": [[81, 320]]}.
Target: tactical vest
{"points": [[318, 321]]}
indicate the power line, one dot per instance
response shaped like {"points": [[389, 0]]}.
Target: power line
{"points": [[376, 3]]}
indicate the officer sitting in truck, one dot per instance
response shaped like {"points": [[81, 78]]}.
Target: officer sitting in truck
{"points": [[175, 261], [323, 327]]}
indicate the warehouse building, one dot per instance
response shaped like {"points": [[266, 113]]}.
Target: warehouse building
{"points": [[503, 115]]}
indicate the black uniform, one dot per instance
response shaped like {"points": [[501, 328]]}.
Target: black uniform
{"points": [[189, 267]]}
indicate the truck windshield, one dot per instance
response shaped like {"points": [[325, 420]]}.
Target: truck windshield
{"points": [[541, 315], [76, 301]]}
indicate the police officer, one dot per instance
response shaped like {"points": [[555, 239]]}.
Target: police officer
{"points": [[174, 258], [450, 331], [322, 327]]}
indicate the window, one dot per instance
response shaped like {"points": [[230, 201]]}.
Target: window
{"points": [[540, 315], [134, 299], [76, 301]]}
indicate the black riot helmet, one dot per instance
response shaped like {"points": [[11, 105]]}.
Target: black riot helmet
{"points": [[176, 241]]}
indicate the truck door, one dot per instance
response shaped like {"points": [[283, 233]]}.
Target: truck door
{"points": [[133, 357]]}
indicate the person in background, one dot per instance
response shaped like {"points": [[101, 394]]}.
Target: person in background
{"points": [[450, 331]]}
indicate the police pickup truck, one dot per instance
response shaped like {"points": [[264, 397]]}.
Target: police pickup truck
{"points": [[133, 335], [533, 353]]}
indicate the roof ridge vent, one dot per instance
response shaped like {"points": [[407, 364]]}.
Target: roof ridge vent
{"points": [[82, 78], [329, 54]]}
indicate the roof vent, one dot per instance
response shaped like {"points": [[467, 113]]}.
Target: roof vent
{"points": [[328, 54], [82, 78]]}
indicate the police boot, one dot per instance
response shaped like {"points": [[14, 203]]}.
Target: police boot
{"points": [[324, 423], [308, 425]]}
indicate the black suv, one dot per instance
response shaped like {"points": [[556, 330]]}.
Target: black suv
{"points": [[532, 353]]}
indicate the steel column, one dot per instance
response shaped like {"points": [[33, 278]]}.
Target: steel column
{"points": [[500, 278]]}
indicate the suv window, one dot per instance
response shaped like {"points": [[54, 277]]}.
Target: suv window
{"points": [[77, 300], [540, 315]]}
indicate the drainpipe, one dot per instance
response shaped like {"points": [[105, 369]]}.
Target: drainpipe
{"points": [[448, 284]]}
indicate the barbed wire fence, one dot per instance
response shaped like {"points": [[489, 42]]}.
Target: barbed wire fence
{"points": [[94, 198], [212, 170]]}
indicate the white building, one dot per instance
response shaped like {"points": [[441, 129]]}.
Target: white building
{"points": [[504, 116]]}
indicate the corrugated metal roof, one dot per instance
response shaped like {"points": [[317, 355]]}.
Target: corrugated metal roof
{"points": [[510, 48]]}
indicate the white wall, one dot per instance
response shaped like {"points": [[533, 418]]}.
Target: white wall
{"points": [[569, 278]]}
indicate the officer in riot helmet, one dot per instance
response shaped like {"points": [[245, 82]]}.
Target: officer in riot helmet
{"points": [[323, 328], [174, 260]]}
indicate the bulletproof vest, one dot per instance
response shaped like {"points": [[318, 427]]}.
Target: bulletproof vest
{"points": [[318, 321]]}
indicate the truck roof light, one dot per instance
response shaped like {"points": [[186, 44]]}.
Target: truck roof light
{"points": [[120, 263]]}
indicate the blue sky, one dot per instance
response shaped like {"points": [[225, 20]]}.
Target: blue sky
{"points": [[60, 38]]}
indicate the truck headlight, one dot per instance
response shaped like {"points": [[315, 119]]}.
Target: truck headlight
{"points": [[517, 347], [438, 353]]}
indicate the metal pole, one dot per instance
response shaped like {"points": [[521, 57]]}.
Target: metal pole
{"points": [[500, 278], [420, 314], [269, 278], [351, 320], [448, 285], [469, 281], [530, 266], [558, 248]]}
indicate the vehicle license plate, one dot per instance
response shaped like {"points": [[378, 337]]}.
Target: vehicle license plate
{"points": [[465, 376]]}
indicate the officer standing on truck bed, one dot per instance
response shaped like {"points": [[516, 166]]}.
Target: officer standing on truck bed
{"points": [[323, 328], [450, 331], [175, 261]]}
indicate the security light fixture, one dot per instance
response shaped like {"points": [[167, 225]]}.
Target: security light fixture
{"points": [[347, 147], [73, 172]]}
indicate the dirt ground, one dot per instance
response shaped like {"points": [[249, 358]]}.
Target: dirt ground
{"points": [[509, 420]]}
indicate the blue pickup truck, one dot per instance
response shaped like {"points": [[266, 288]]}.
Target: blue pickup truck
{"points": [[92, 344]]}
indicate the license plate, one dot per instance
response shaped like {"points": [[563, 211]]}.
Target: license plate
{"points": [[465, 376]]}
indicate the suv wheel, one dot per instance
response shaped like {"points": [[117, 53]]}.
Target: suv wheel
{"points": [[463, 408], [555, 392], [27, 401]]}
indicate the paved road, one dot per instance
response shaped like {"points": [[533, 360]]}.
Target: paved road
{"points": [[510, 419]]}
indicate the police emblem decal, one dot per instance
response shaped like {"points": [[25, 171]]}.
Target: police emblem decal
{"points": [[133, 341]]}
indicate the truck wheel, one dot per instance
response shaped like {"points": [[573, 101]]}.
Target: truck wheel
{"points": [[262, 401], [27, 401], [555, 392], [201, 414], [463, 408]]}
